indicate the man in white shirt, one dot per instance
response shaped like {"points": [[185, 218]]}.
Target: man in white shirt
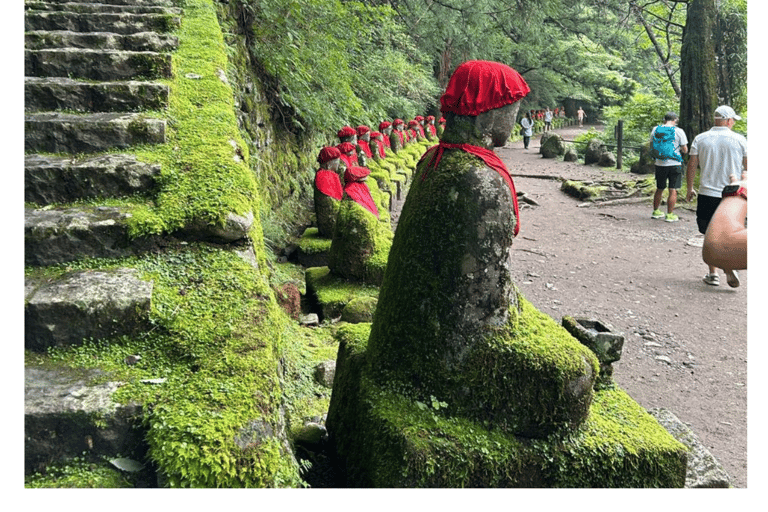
{"points": [[720, 152]]}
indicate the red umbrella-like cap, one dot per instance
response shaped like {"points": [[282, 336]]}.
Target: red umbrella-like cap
{"points": [[362, 130], [346, 131], [327, 154], [480, 85]]}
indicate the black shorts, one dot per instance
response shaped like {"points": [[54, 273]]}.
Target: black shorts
{"points": [[705, 209], [671, 173]]}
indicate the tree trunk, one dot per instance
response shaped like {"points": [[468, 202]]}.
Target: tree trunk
{"points": [[698, 73]]}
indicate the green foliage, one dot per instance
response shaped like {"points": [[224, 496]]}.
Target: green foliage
{"points": [[339, 63], [640, 114], [79, 473]]}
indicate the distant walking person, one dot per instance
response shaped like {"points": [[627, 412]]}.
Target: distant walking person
{"points": [[582, 116], [668, 142], [527, 124], [720, 152], [547, 120]]}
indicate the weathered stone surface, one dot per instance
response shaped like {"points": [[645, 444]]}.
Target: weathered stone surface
{"points": [[66, 414], [119, 23], [359, 310], [60, 235], [360, 246], [552, 145], [571, 155], [326, 211], [235, 228], [97, 64], [448, 314], [311, 434], [56, 93], [646, 164], [607, 159], [703, 469], [595, 150], [101, 6], [324, 373], [599, 337], [89, 133], [140, 42], [85, 304], [50, 179]]}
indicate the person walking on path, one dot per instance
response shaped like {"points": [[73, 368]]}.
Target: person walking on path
{"points": [[719, 152], [582, 116], [527, 124], [669, 169], [547, 120]]}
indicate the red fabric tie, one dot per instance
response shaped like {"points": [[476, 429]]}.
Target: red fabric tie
{"points": [[328, 183], [366, 148], [491, 159]]}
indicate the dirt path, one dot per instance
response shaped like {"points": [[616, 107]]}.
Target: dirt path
{"points": [[685, 343]]}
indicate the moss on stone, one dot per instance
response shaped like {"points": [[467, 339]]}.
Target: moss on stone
{"points": [[311, 242], [360, 244], [333, 292], [387, 438]]}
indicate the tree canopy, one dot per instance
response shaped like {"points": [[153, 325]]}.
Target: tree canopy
{"points": [[339, 62]]}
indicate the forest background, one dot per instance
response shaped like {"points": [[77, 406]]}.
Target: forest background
{"points": [[335, 63]]}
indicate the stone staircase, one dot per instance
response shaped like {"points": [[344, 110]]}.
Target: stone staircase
{"points": [[92, 71]]}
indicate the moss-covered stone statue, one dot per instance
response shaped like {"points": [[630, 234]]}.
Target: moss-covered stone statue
{"points": [[328, 191], [430, 129], [363, 143], [458, 372], [397, 137], [360, 242]]}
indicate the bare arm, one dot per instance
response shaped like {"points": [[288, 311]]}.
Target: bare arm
{"points": [[693, 164], [725, 242]]}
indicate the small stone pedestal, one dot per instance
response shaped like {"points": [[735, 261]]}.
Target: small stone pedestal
{"points": [[600, 339]]}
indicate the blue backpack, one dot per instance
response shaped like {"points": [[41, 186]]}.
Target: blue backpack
{"points": [[663, 144]]}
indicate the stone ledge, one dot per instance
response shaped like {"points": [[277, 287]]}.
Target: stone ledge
{"points": [[703, 469]]}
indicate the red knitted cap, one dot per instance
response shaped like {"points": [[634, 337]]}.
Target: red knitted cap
{"points": [[384, 125], [327, 154], [480, 85], [413, 122], [398, 121], [355, 173], [430, 118], [346, 131], [346, 147], [375, 134], [419, 118], [362, 130]]}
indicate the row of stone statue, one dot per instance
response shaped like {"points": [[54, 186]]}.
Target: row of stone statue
{"points": [[390, 154]]}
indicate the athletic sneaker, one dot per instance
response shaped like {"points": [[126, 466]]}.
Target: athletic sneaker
{"points": [[712, 279], [733, 278], [657, 214], [671, 217]]}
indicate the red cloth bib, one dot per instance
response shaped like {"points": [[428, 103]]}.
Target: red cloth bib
{"points": [[328, 183], [491, 159], [365, 147], [359, 191]]}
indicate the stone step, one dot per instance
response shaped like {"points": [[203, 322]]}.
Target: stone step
{"points": [[98, 7], [118, 23], [68, 413], [84, 304], [139, 42], [97, 64], [59, 235], [164, 3], [57, 93], [52, 179], [53, 132]]}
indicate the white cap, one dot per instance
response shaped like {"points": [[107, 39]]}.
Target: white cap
{"points": [[726, 112]]}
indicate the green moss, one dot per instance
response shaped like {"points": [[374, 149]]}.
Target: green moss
{"points": [[333, 292], [312, 243], [386, 438], [79, 474]]}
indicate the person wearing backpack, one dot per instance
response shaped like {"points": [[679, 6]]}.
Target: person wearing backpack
{"points": [[668, 143]]}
